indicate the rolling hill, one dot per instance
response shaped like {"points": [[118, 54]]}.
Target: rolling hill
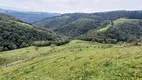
{"points": [[16, 34], [76, 24], [80, 26], [119, 30], [28, 16], [66, 24]]}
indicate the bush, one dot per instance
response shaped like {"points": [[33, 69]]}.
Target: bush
{"points": [[1, 48], [41, 43], [12, 46], [48, 43]]}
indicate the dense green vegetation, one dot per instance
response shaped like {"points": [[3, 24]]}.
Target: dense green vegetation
{"points": [[16, 34], [80, 26], [78, 60], [106, 27], [77, 24], [65, 19], [119, 30], [72, 25], [59, 21]]}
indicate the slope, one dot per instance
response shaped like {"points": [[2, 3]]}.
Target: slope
{"points": [[64, 19], [80, 26], [119, 30], [66, 24], [59, 21], [74, 61], [17, 34]]}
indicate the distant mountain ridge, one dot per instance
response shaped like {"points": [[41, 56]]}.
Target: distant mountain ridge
{"points": [[28, 16], [89, 26]]}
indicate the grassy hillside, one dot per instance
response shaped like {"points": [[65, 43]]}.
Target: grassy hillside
{"points": [[17, 34], [78, 60], [118, 22], [119, 30]]}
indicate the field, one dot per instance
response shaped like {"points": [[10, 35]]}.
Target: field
{"points": [[77, 60]]}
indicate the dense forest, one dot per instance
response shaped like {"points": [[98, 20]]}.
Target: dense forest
{"points": [[120, 30], [64, 19], [112, 26], [109, 27], [16, 34], [80, 26]]}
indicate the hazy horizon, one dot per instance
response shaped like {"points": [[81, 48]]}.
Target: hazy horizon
{"points": [[70, 6]]}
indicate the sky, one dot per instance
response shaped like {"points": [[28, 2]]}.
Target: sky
{"points": [[71, 6]]}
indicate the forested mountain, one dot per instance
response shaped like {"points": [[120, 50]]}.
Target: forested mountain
{"points": [[72, 25], [110, 27], [80, 27], [119, 30], [28, 16], [76, 24], [59, 21], [16, 34]]}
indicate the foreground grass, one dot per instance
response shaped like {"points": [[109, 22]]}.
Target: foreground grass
{"points": [[78, 60]]}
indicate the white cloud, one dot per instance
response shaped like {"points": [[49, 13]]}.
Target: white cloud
{"points": [[67, 6]]}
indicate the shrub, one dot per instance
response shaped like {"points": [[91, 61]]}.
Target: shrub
{"points": [[1, 48], [48, 43]]}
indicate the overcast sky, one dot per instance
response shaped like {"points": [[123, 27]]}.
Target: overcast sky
{"points": [[70, 6]]}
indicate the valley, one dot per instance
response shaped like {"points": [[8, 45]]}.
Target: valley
{"points": [[71, 46]]}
